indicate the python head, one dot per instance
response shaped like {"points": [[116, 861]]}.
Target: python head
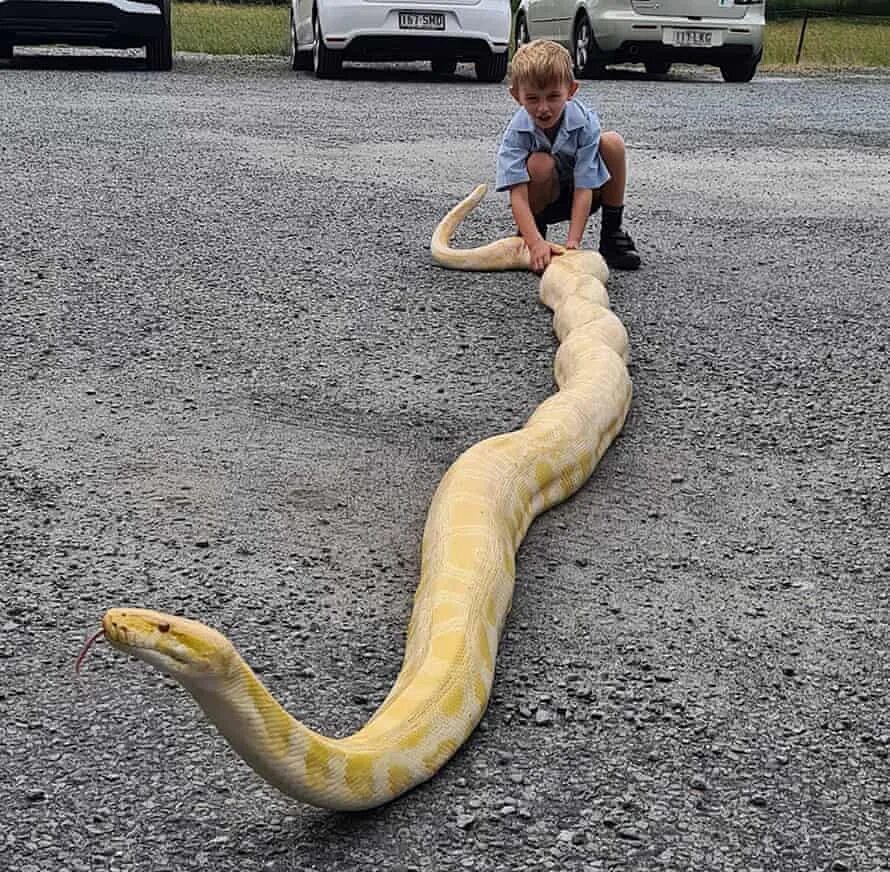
{"points": [[186, 650]]}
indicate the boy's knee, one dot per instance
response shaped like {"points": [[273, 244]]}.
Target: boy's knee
{"points": [[540, 166], [612, 142]]}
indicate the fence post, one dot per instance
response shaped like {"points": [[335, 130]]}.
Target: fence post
{"points": [[803, 30]]}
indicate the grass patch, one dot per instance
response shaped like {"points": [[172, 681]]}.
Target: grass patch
{"points": [[245, 29], [850, 8], [250, 29], [829, 43]]}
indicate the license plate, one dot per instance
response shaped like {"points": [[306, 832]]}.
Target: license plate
{"points": [[693, 38], [422, 20]]}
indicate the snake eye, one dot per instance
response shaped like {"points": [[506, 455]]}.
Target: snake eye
{"points": [[164, 628]]}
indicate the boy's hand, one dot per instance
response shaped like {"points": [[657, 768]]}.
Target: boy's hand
{"points": [[540, 254], [540, 251], [573, 243]]}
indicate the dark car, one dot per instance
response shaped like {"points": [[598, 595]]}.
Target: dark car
{"points": [[98, 23]]}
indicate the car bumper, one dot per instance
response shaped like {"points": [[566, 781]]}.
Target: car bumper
{"points": [[627, 34], [371, 31], [104, 23]]}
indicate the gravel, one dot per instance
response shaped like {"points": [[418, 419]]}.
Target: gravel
{"points": [[231, 380]]}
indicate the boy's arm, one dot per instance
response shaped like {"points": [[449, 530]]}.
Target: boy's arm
{"points": [[591, 174], [581, 200], [512, 175], [538, 247]]}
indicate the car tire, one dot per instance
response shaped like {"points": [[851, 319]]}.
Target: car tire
{"points": [[493, 68], [159, 51], [443, 66], [739, 70], [657, 68], [521, 35], [299, 60], [6, 51], [327, 63], [584, 53]]}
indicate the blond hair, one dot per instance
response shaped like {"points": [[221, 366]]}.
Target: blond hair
{"points": [[541, 63]]}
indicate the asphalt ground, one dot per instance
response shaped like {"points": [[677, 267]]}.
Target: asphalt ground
{"points": [[232, 378]]}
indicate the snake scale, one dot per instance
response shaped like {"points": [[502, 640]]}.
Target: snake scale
{"points": [[478, 516]]}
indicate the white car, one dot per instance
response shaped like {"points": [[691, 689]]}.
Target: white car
{"points": [[725, 33], [324, 33]]}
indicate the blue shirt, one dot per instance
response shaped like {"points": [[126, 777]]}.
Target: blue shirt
{"points": [[576, 148]]}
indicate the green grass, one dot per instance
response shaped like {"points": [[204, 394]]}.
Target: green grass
{"points": [[263, 30], [829, 43], [786, 8], [230, 29]]}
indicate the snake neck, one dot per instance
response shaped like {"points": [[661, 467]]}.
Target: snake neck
{"points": [[410, 737]]}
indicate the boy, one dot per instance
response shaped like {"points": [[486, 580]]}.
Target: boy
{"points": [[556, 163]]}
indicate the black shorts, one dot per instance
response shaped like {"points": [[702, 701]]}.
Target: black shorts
{"points": [[561, 208]]}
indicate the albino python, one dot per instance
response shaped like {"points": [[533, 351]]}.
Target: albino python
{"points": [[478, 516]]}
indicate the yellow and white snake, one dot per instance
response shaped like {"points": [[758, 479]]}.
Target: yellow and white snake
{"points": [[478, 517]]}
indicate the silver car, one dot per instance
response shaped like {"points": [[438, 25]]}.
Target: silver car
{"points": [[657, 33]]}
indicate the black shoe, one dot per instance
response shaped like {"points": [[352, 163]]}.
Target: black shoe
{"points": [[619, 251]]}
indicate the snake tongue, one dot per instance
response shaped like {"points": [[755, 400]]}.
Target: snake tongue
{"points": [[86, 647]]}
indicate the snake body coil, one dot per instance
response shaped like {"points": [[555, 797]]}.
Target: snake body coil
{"points": [[478, 517]]}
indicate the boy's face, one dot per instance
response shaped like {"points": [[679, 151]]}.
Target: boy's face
{"points": [[544, 105]]}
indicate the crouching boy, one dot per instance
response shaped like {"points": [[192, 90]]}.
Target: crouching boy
{"points": [[557, 163]]}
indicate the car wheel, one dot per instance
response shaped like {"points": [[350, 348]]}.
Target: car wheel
{"points": [[299, 60], [159, 52], [657, 68], [584, 55], [326, 62], [6, 51], [739, 70], [493, 68], [444, 66], [521, 34]]}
